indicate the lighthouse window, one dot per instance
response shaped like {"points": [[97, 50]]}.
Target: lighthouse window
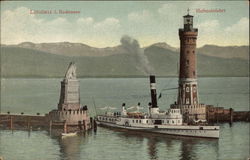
{"points": [[194, 89], [172, 121], [147, 121], [194, 100]]}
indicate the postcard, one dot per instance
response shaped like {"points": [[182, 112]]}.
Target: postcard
{"points": [[126, 80]]}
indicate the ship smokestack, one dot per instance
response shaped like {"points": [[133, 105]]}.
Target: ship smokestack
{"points": [[153, 91]]}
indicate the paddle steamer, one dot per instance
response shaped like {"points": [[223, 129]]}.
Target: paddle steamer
{"points": [[155, 121]]}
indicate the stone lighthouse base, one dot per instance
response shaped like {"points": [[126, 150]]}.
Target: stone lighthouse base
{"points": [[69, 121]]}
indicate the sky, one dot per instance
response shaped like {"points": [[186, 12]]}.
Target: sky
{"points": [[103, 23]]}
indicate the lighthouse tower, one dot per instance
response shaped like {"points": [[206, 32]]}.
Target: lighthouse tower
{"points": [[188, 93], [188, 99]]}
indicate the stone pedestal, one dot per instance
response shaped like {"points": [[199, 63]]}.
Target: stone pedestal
{"points": [[70, 95]]}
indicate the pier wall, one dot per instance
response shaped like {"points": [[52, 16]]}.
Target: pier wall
{"points": [[34, 122], [211, 113], [220, 114], [241, 116], [15, 121]]}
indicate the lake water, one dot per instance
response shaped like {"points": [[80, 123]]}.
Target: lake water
{"points": [[42, 95]]}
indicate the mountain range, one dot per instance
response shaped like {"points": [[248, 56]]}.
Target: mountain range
{"points": [[29, 59]]}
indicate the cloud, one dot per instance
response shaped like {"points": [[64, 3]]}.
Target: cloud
{"points": [[242, 25], [85, 21], [140, 17], [19, 25], [199, 5], [173, 11], [212, 32], [238, 33], [149, 26], [208, 32], [166, 9], [170, 15], [108, 24], [209, 26]]}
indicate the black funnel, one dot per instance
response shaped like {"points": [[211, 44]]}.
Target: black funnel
{"points": [[153, 91]]}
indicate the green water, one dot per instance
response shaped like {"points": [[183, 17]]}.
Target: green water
{"points": [[42, 95]]}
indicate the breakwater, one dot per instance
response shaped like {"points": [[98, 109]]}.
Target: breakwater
{"points": [[38, 122], [220, 114], [15, 121]]}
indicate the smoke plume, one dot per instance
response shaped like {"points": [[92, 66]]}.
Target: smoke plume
{"points": [[131, 46]]}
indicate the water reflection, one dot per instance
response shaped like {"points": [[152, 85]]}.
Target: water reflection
{"points": [[149, 146], [192, 148], [152, 148], [70, 146], [151, 142], [187, 150], [189, 147]]}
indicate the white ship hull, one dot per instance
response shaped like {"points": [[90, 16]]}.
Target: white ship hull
{"points": [[180, 130]]}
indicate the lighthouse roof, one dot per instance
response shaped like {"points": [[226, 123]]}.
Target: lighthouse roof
{"points": [[188, 15]]}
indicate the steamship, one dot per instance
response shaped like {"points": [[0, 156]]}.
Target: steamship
{"points": [[155, 121]]}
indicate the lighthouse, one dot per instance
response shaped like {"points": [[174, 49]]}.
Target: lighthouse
{"points": [[188, 97], [187, 90]]}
